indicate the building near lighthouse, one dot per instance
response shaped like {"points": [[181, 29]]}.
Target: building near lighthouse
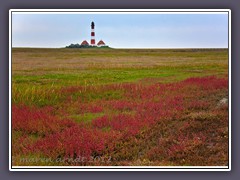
{"points": [[101, 43], [92, 43], [85, 43]]}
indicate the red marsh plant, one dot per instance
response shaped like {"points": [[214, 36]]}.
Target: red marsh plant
{"points": [[32, 120], [176, 122]]}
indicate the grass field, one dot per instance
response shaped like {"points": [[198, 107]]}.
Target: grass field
{"points": [[129, 107]]}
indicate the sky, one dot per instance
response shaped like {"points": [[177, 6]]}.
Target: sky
{"points": [[121, 30]]}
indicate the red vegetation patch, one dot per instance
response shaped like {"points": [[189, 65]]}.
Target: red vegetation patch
{"points": [[178, 123], [72, 142], [37, 121]]}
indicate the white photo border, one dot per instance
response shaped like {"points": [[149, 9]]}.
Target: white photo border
{"points": [[119, 11]]}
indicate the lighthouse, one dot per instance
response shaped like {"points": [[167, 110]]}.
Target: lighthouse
{"points": [[92, 34], [92, 43]]}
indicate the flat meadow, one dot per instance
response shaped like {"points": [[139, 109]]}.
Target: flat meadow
{"points": [[119, 107]]}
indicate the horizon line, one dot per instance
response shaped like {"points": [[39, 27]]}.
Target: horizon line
{"points": [[128, 48]]}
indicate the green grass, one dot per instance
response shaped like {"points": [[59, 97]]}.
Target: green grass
{"points": [[38, 74], [107, 76], [86, 117]]}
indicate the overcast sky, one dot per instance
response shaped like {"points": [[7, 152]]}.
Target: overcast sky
{"points": [[122, 30]]}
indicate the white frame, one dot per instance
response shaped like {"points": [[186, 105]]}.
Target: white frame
{"points": [[119, 11]]}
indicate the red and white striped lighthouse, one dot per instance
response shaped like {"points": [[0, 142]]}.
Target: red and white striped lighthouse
{"points": [[92, 34]]}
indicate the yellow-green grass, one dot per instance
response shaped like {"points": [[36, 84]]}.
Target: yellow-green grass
{"points": [[38, 74]]}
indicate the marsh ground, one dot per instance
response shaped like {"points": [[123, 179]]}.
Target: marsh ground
{"points": [[129, 106]]}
